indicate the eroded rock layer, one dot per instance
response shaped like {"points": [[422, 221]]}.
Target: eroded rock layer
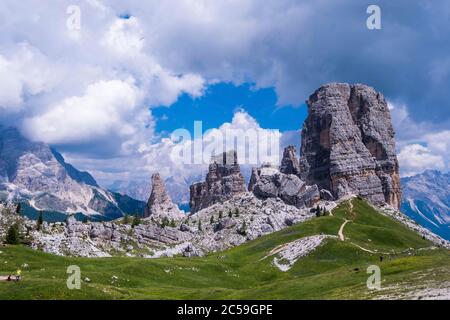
{"points": [[348, 144], [160, 205], [223, 181]]}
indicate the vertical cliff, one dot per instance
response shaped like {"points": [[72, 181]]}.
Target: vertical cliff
{"points": [[348, 144], [160, 206], [223, 181]]}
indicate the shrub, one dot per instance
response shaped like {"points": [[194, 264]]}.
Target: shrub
{"points": [[136, 221], [243, 229], [40, 221], [318, 211], [165, 222], [12, 236]]}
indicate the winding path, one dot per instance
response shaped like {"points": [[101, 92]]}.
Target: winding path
{"points": [[342, 237], [341, 230]]}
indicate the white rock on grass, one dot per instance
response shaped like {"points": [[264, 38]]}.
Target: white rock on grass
{"points": [[288, 254]]}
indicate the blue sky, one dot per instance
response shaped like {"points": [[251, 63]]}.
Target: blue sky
{"points": [[221, 101], [104, 82]]}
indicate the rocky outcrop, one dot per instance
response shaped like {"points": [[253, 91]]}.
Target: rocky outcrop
{"points": [[93, 239], [289, 162], [223, 181], [348, 144], [220, 226], [160, 207], [288, 254], [243, 217], [269, 182]]}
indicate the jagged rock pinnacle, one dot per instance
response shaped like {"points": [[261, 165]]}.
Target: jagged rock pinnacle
{"points": [[223, 181], [160, 205]]}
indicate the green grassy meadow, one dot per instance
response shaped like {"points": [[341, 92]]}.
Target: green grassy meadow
{"points": [[335, 270]]}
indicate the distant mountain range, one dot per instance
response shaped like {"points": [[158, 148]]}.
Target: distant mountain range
{"points": [[37, 176], [426, 199]]}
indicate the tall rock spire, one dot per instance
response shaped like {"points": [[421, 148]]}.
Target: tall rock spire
{"points": [[223, 181], [159, 204], [289, 163], [348, 143]]}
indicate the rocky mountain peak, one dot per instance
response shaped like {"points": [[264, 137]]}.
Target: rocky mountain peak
{"points": [[289, 162], [426, 199], [36, 175], [159, 205], [348, 143], [223, 181]]}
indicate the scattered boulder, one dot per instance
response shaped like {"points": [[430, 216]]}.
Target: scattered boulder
{"points": [[326, 195], [226, 223], [269, 182]]}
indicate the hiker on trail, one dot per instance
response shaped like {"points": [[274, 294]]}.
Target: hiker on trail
{"points": [[9, 278], [381, 258], [18, 274]]}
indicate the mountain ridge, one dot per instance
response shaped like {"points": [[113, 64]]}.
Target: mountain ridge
{"points": [[427, 200], [35, 173]]}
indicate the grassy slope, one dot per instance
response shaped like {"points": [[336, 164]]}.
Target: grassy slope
{"points": [[335, 270]]}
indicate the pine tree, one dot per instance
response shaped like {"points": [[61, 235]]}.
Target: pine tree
{"points": [[236, 212], [18, 208], [12, 236], [40, 221], [172, 223], [243, 229], [230, 214], [136, 221], [126, 219], [318, 211], [165, 222], [211, 220], [220, 214], [200, 225]]}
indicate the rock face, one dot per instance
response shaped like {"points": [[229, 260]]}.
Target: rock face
{"points": [[159, 205], [270, 182], [289, 163], [244, 217], [223, 181], [426, 200], [348, 144], [35, 174]]}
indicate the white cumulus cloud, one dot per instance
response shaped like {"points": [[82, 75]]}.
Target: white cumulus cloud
{"points": [[416, 158], [24, 71], [106, 110]]}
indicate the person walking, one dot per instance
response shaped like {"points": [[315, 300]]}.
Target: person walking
{"points": [[18, 274]]}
